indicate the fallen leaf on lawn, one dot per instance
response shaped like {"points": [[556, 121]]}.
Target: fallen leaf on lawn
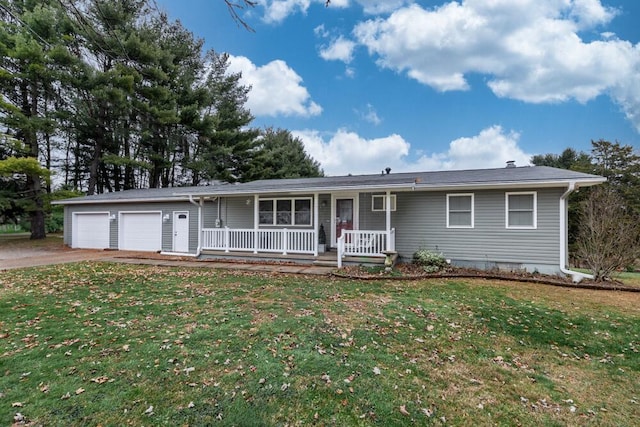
{"points": [[427, 411], [19, 418], [191, 405], [44, 388], [80, 390], [66, 396], [149, 410], [403, 410], [16, 405], [125, 347], [376, 370], [100, 380]]}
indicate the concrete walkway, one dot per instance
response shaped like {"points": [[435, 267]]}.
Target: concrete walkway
{"points": [[35, 257], [209, 263]]}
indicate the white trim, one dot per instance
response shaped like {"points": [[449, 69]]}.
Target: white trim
{"points": [[356, 212], [293, 201], [576, 276], [179, 254], [535, 210], [473, 214], [384, 202], [173, 231]]}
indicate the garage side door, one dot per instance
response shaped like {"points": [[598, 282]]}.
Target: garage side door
{"points": [[140, 231], [90, 230]]}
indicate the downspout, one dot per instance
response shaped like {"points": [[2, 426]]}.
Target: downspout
{"points": [[199, 205], [576, 276]]}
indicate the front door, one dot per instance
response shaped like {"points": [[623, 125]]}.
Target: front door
{"points": [[181, 231], [344, 216]]}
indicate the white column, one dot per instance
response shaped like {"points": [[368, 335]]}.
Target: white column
{"points": [[256, 222], [388, 212], [316, 227]]}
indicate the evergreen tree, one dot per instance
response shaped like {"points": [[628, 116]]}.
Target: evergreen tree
{"points": [[30, 37], [280, 155]]}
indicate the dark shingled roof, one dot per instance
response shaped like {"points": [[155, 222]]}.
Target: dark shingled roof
{"points": [[507, 177]]}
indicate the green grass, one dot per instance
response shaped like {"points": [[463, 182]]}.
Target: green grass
{"points": [[99, 343]]}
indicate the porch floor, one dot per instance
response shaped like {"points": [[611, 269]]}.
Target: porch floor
{"points": [[326, 259]]}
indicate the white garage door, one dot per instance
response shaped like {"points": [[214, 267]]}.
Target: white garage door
{"points": [[90, 230], [140, 231]]}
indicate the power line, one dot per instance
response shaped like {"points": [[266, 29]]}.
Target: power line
{"points": [[28, 27]]}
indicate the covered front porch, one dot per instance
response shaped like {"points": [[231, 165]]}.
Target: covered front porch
{"points": [[288, 227]]}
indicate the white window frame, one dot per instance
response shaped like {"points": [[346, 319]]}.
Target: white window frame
{"points": [[535, 210], [473, 214], [384, 202], [293, 200]]}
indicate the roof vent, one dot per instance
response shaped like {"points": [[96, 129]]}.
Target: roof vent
{"points": [[387, 170], [511, 164]]}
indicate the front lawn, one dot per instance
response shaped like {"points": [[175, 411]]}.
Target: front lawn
{"points": [[111, 344]]}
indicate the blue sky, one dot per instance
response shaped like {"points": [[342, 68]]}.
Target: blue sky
{"points": [[431, 85]]}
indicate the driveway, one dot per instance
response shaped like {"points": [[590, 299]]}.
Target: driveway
{"points": [[20, 252]]}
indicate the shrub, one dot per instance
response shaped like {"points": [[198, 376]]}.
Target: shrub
{"points": [[430, 261]]}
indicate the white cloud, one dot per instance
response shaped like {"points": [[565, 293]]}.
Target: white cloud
{"points": [[376, 7], [276, 11], [491, 148], [530, 50], [340, 49], [346, 152], [370, 115], [276, 89]]}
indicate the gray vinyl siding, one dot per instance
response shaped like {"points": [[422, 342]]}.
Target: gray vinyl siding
{"points": [[368, 219], [420, 222], [114, 209]]}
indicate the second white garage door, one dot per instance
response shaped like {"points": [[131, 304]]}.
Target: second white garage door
{"points": [[140, 231]]}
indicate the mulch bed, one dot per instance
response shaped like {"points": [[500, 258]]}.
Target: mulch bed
{"points": [[414, 272]]}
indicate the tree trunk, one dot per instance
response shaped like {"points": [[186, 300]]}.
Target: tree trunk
{"points": [[36, 217]]}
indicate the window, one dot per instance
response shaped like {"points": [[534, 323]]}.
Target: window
{"points": [[460, 211], [379, 202], [521, 210], [284, 212]]}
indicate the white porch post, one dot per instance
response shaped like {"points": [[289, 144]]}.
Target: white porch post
{"points": [[388, 212], [315, 224], [200, 225], [256, 222]]}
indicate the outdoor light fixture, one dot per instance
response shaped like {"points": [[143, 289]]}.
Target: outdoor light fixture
{"points": [[166, 217]]}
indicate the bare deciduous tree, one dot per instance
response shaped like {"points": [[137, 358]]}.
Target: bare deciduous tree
{"points": [[609, 233]]}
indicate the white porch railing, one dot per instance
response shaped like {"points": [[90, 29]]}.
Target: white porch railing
{"points": [[273, 240], [365, 243]]}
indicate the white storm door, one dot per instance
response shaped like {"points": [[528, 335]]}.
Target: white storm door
{"points": [[181, 231], [90, 230], [140, 231]]}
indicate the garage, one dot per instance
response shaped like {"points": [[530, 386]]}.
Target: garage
{"points": [[90, 230], [140, 231]]}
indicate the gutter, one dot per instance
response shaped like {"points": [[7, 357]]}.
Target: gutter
{"points": [[576, 276]]}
